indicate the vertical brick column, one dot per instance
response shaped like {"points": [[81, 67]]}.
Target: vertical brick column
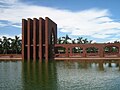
{"points": [[119, 51], [70, 51], [28, 38], [46, 38], [55, 33], [34, 38], [101, 51], [84, 52], [40, 38], [67, 55], [24, 27]]}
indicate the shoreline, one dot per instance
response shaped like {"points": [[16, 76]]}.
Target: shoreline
{"points": [[64, 59], [10, 59], [79, 59]]}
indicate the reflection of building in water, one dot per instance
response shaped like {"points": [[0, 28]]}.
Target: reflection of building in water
{"points": [[72, 74], [66, 75], [101, 67], [39, 75]]}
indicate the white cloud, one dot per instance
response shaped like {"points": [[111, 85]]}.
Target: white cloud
{"points": [[2, 25], [113, 39], [92, 22], [8, 1]]}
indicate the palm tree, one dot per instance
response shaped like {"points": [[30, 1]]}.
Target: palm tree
{"points": [[16, 45], [79, 40], [65, 39], [116, 41], [1, 48], [6, 44], [59, 40], [73, 41], [90, 41], [85, 41]]}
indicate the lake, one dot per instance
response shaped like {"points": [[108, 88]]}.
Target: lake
{"points": [[59, 75]]}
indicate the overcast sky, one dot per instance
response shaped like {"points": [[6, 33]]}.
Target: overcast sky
{"points": [[97, 20]]}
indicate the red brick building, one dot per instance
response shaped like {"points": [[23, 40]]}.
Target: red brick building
{"points": [[39, 41], [38, 38]]}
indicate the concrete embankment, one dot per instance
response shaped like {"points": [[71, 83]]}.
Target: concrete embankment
{"points": [[7, 57]]}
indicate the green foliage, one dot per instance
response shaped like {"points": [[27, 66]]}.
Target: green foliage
{"points": [[68, 40], [65, 39], [59, 40], [10, 46]]}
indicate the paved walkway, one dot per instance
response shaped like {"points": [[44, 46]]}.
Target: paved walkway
{"points": [[10, 59]]}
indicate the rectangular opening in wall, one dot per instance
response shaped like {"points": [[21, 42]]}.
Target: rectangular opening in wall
{"points": [[43, 52], [37, 52], [25, 53], [25, 32], [31, 52], [31, 32], [43, 32], [37, 32]]}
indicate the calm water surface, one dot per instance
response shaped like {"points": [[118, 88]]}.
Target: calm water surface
{"points": [[61, 75]]}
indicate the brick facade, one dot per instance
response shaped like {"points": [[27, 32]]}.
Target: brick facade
{"points": [[37, 37]]}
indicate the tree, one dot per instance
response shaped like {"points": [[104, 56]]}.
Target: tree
{"points": [[73, 41], [16, 45], [79, 40], [6, 44], [65, 39], [1, 48], [116, 41], [85, 41], [90, 41], [59, 40]]}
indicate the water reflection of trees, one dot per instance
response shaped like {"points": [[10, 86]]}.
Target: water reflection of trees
{"points": [[45, 76], [99, 65], [85, 74]]}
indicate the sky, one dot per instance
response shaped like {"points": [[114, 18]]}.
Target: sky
{"points": [[97, 20]]}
